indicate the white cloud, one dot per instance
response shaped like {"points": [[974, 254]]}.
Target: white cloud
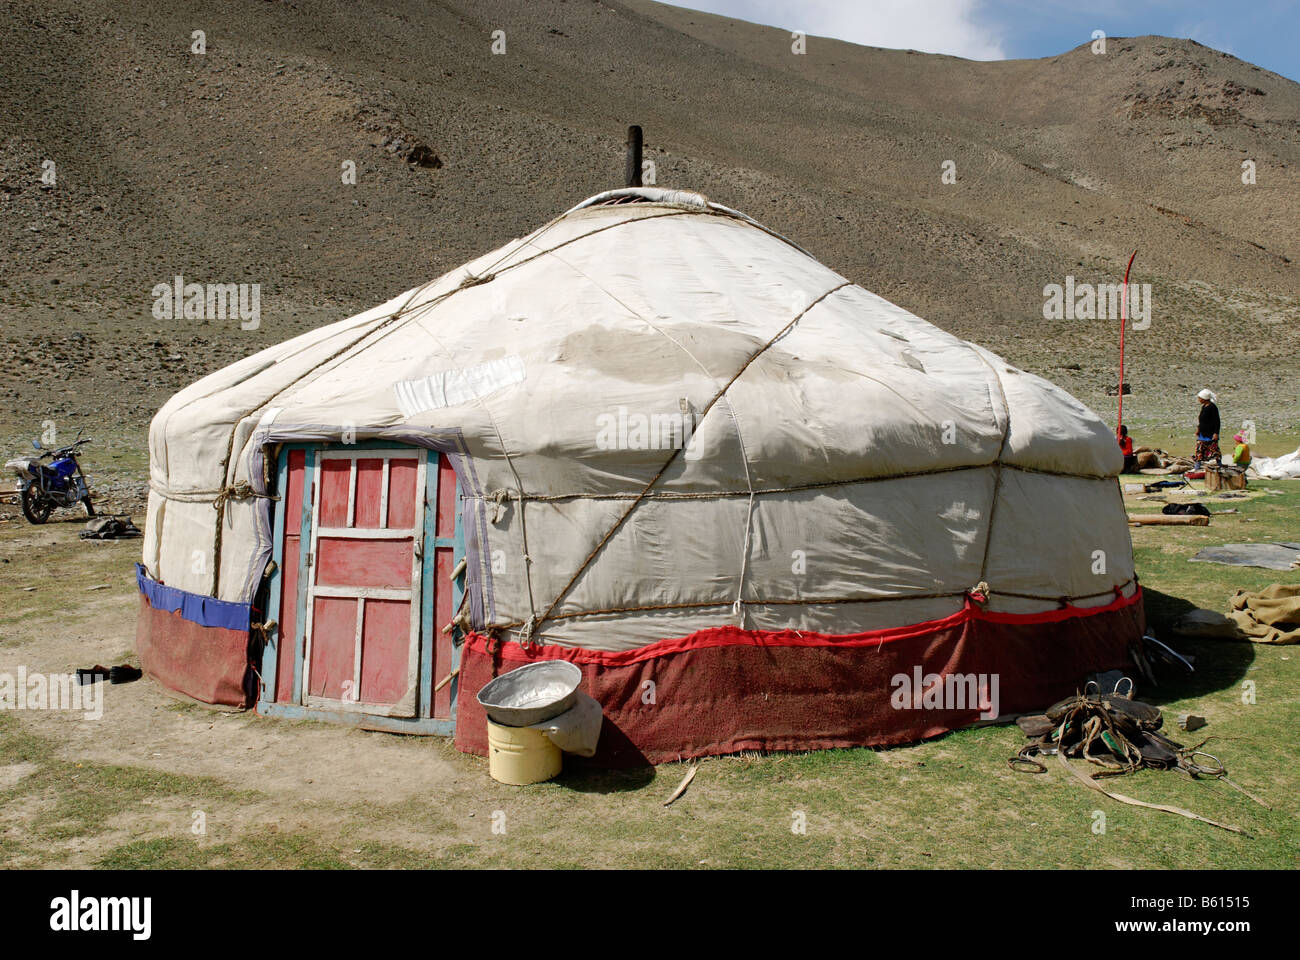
{"points": [[1209, 35], [933, 26]]}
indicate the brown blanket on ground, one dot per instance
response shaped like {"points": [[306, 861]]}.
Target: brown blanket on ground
{"points": [[1271, 615]]}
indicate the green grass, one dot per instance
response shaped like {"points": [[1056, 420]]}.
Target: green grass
{"points": [[1162, 554], [171, 853], [1177, 438], [34, 591], [75, 801]]}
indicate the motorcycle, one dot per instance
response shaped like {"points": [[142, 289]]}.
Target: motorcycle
{"points": [[60, 483]]}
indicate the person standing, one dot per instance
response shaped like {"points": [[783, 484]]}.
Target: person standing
{"points": [[1207, 430]]}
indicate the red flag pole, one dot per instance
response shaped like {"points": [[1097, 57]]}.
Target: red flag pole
{"points": [[1123, 322]]}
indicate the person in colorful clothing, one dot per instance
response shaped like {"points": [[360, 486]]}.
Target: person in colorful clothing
{"points": [[1241, 453], [1126, 448], [1207, 430]]}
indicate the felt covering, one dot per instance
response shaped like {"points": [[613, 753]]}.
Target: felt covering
{"points": [[209, 664], [666, 421], [724, 690]]}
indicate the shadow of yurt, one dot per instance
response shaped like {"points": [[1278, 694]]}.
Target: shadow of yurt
{"points": [[1219, 664]]}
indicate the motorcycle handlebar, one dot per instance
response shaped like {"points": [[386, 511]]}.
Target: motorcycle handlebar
{"points": [[63, 451]]}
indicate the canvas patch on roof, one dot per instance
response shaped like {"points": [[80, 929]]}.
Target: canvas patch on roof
{"points": [[451, 388]]}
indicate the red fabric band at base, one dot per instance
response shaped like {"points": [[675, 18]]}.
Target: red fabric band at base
{"points": [[205, 663], [724, 690]]}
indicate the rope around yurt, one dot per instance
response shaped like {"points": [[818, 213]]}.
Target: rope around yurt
{"points": [[404, 312], [534, 622]]}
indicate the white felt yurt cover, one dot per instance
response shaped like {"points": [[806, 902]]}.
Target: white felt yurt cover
{"points": [[666, 417]]}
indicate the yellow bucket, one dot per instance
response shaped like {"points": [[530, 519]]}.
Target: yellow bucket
{"points": [[518, 755]]}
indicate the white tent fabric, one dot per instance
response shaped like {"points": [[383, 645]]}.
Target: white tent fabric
{"points": [[846, 465], [1285, 467]]}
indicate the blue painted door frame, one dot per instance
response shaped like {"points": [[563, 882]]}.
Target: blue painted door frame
{"points": [[423, 722]]}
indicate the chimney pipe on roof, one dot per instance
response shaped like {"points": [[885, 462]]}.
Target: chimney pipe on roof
{"points": [[632, 170]]}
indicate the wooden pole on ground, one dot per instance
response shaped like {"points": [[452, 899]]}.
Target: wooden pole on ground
{"points": [[1168, 520]]}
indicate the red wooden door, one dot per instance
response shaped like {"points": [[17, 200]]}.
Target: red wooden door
{"points": [[362, 639]]}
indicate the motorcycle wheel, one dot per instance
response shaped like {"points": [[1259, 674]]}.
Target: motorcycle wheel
{"points": [[90, 510], [36, 508]]}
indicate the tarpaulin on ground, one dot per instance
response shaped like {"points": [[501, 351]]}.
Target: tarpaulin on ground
{"points": [[1271, 615], [1271, 556]]}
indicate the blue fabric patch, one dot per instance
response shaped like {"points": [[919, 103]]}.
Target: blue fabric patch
{"points": [[194, 607]]}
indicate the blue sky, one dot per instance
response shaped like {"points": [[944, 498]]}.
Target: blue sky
{"points": [[1263, 32]]}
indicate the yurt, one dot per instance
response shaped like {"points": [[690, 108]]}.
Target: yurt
{"points": [[758, 506]]}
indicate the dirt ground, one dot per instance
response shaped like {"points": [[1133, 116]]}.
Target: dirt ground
{"points": [[159, 782], [65, 623]]}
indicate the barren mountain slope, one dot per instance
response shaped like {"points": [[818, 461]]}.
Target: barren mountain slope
{"points": [[225, 167]]}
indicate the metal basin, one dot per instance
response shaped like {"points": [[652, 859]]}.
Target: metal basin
{"points": [[531, 694]]}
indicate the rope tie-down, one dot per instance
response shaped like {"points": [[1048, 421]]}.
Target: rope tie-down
{"points": [[233, 491], [499, 498], [973, 595], [238, 491], [979, 595], [534, 621], [385, 325]]}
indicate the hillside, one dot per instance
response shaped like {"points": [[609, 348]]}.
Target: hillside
{"points": [[225, 168]]}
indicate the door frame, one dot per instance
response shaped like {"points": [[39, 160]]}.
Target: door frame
{"points": [[406, 706], [423, 722]]}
